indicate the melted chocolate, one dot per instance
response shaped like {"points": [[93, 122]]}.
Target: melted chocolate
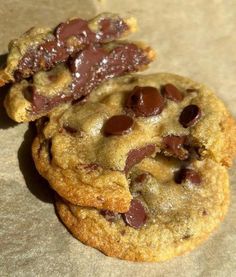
{"points": [[190, 116], [118, 125], [89, 68], [145, 101], [171, 92], [136, 216], [59, 48], [174, 145], [137, 155]]}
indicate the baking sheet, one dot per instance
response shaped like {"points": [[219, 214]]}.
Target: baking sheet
{"points": [[193, 38]]}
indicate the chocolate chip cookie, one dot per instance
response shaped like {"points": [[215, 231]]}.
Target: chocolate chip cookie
{"points": [[174, 208], [42, 48], [87, 150], [28, 100]]}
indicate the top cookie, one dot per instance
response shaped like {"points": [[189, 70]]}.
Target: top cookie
{"points": [[86, 151], [28, 100], [42, 48]]}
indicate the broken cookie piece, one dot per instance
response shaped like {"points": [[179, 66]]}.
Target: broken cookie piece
{"points": [[41, 49], [89, 162], [31, 99], [164, 220]]}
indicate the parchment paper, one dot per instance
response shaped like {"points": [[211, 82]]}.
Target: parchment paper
{"points": [[192, 38]]}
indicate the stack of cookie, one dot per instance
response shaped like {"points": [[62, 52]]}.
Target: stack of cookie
{"points": [[138, 162]]}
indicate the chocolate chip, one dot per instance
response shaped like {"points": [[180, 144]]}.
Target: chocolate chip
{"points": [[84, 60], [145, 101], [189, 116], [92, 66], [108, 29], [109, 215], [44, 56], [175, 146], [187, 174], [71, 28], [136, 216], [172, 93], [118, 125], [137, 155], [111, 27]]}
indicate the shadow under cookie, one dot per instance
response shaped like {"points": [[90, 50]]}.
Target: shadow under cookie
{"points": [[37, 185]]}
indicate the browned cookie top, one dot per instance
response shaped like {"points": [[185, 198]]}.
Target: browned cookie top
{"points": [[92, 146]]}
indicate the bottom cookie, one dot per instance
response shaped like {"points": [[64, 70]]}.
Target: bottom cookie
{"points": [[171, 213]]}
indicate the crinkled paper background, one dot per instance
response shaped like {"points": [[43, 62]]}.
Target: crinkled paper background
{"points": [[194, 38]]}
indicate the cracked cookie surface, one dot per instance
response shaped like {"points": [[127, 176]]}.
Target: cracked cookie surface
{"points": [[87, 160], [165, 219]]}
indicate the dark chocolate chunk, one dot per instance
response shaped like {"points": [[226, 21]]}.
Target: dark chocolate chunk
{"points": [[136, 216], [50, 53], [187, 174], [71, 28], [59, 48], [137, 155], [83, 63], [189, 116], [174, 145], [42, 103], [118, 125], [171, 92], [111, 28], [90, 67], [44, 57], [109, 215], [145, 101], [38, 100]]}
